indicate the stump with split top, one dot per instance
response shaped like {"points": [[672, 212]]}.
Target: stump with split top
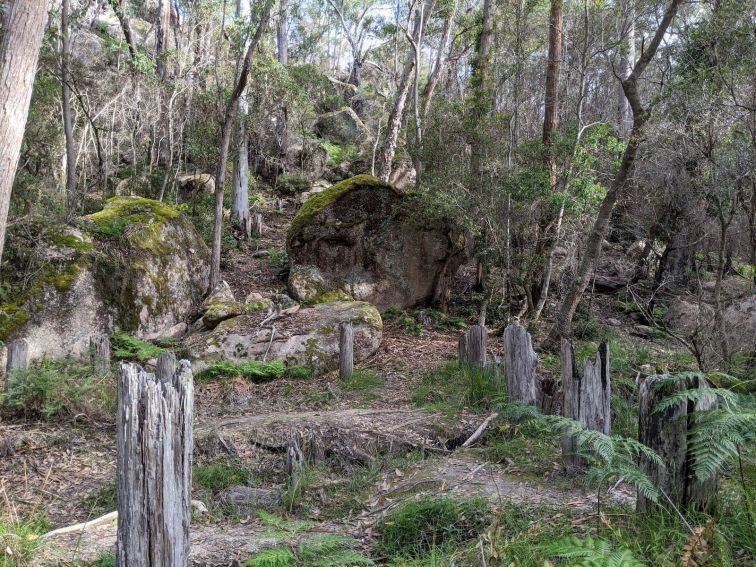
{"points": [[154, 447]]}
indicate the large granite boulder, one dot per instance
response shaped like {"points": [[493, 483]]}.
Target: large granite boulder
{"points": [[138, 265], [307, 337], [342, 127], [357, 239]]}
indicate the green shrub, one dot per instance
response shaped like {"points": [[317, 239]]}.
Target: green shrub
{"points": [[279, 263], [458, 386], [125, 347], [220, 475], [292, 184], [19, 540], [417, 527], [59, 389], [362, 380], [319, 551], [256, 371]]}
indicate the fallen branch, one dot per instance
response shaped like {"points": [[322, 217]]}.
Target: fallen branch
{"points": [[83, 526], [481, 428]]}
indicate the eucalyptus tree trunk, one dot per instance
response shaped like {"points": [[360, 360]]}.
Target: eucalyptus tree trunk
{"points": [[397, 114], [443, 47], [162, 31], [23, 28], [482, 98], [119, 7], [563, 324], [282, 45], [65, 60], [627, 60], [240, 187], [226, 128], [551, 97]]}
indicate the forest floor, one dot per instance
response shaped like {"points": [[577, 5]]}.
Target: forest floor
{"points": [[370, 447]]}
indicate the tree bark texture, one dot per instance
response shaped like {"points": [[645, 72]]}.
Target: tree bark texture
{"points": [[65, 60], [346, 351], [520, 362], [162, 31], [17, 359], [154, 455], [99, 354]]}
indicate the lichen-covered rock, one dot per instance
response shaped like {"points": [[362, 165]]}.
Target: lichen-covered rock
{"points": [[342, 127], [309, 337], [137, 265], [357, 239], [307, 159]]}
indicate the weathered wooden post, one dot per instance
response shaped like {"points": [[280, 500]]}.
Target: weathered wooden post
{"points": [[17, 359], [257, 225], [154, 454], [166, 366], [346, 351], [462, 348], [99, 353], [667, 433], [587, 398], [520, 362], [476, 346]]}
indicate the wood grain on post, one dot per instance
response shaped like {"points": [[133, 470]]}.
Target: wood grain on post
{"points": [[476, 346], [587, 398], [154, 455], [99, 353], [257, 225], [17, 359], [520, 361], [666, 432], [166, 366], [346, 351], [462, 346]]}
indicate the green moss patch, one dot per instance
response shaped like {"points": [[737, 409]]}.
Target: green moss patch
{"points": [[120, 213], [315, 204], [126, 347]]}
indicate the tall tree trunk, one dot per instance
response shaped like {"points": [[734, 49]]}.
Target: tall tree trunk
{"points": [[226, 128], [282, 45], [397, 114], [162, 31], [563, 324], [481, 96], [441, 57], [65, 59], [119, 7], [551, 98], [240, 201], [23, 28], [627, 60]]}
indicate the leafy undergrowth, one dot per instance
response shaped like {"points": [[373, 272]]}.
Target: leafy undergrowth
{"points": [[456, 387], [19, 539], [126, 347], [256, 371], [60, 389], [317, 551]]}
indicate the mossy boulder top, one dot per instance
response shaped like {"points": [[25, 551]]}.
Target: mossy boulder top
{"points": [[359, 239], [137, 265]]}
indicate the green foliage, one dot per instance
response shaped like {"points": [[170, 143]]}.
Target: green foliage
{"points": [[279, 263], [458, 386], [281, 528], [220, 475], [60, 389], [106, 560], [103, 501], [292, 184], [362, 380], [415, 322], [338, 154], [256, 371], [590, 552], [19, 540], [417, 527], [318, 551], [126, 347], [608, 456]]}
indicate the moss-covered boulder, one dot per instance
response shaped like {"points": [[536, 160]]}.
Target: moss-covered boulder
{"points": [[309, 337], [342, 127], [137, 265], [361, 238]]}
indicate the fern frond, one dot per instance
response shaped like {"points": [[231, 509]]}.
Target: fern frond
{"points": [[332, 551], [695, 395], [273, 557], [592, 552]]}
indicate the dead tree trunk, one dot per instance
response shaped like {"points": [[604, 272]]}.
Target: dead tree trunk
{"points": [[476, 346], [346, 351], [587, 398], [166, 366], [18, 352], [520, 361], [99, 353], [256, 225], [154, 448], [462, 348], [666, 432]]}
